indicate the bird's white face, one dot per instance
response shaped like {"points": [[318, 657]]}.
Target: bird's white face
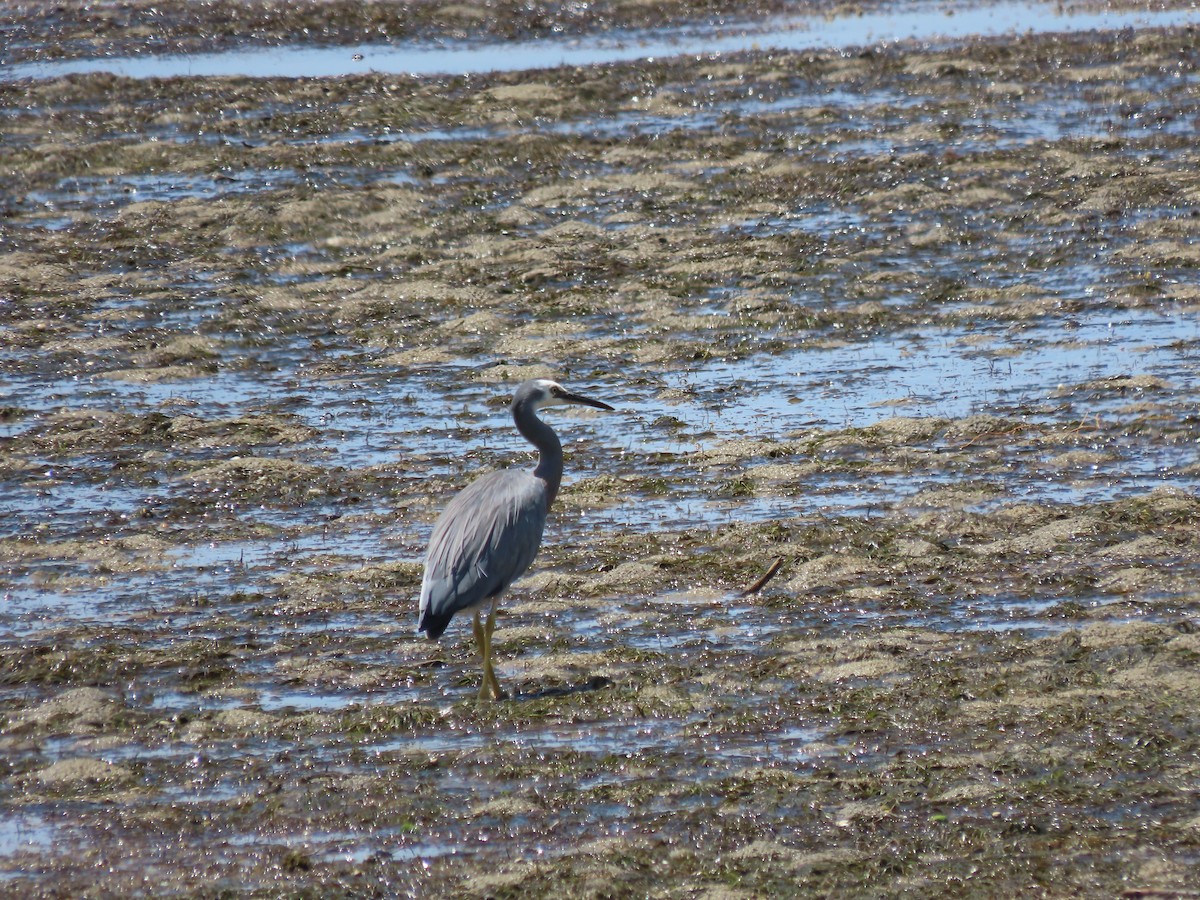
{"points": [[542, 392], [550, 393]]}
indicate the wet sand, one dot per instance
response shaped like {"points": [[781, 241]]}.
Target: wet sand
{"points": [[919, 322]]}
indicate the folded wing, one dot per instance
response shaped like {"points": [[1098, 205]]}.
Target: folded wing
{"points": [[485, 539]]}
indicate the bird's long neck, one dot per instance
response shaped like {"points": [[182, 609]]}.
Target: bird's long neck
{"points": [[550, 459]]}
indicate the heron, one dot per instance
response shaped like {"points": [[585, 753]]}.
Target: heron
{"points": [[489, 534]]}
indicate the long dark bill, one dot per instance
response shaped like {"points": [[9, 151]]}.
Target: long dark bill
{"points": [[581, 400]]}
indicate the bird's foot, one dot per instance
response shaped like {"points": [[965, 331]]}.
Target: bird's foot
{"points": [[490, 689]]}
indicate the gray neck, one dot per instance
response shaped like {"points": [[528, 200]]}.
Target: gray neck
{"points": [[550, 461]]}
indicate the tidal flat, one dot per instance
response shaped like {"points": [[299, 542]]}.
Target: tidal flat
{"points": [[921, 321]]}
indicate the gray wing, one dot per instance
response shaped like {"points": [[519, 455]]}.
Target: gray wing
{"points": [[486, 537]]}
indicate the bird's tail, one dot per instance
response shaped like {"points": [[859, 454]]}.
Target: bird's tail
{"points": [[433, 625]]}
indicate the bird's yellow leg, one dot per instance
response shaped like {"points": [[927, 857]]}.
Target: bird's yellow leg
{"points": [[489, 673], [481, 641]]}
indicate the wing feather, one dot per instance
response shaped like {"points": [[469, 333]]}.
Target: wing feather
{"points": [[485, 539]]}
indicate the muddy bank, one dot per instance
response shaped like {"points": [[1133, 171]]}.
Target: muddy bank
{"points": [[920, 324]]}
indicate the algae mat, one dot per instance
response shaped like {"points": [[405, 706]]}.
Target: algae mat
{"points": [[919, 322]]}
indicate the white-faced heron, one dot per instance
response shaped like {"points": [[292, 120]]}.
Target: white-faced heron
{"points": [[489, 534]]}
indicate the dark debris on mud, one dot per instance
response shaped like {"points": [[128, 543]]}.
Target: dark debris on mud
{"points": [[246, 321]]}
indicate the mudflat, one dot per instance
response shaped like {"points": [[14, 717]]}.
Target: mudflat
{"points": [[920, 321]]}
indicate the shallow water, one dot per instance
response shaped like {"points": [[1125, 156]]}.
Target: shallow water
{"points": [[1002, 369], [1032, 372], [104, 197], [924, 23], [23, 833]]}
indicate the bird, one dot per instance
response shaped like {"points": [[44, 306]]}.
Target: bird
{"points": [[490, 532]]}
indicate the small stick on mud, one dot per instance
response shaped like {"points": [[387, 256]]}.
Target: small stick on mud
{"points": [[767, 576]]}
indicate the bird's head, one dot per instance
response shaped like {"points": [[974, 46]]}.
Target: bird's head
{"points": [[538, 393]]}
